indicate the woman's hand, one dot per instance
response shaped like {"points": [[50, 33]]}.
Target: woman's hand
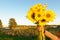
{"points": [[50, 35]]}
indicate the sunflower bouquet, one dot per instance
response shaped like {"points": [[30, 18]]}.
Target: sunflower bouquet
{"points": [[40, 15]]}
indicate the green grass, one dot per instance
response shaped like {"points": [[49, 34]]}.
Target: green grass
{"points": [[8, 37]]}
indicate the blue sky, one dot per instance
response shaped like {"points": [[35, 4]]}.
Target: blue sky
{"points": [[18, 9]]}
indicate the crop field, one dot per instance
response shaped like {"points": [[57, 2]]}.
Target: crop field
{"points": [[23, 33]]}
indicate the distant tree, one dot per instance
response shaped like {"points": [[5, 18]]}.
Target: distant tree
{"points": [[1, 24], [12, 23]]}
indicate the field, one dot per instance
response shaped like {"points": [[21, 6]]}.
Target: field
{"points": [[29, 33]]}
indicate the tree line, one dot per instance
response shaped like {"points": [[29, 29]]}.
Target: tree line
{"points": [[12, 23]]}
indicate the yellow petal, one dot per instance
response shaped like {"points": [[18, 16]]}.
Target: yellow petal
{"points": [[50, 15]]}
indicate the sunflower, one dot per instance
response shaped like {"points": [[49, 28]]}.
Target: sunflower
{"points": [[50, 15], [43, 21], [31, 16], [38, 8], [39, 15], [38, 12]]}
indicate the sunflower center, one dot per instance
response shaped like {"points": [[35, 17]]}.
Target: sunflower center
{"points": [[48, 15], [43, 20], [38, 10], [38, 15], [33, 15]]}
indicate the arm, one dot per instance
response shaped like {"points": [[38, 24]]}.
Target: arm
{"points": [[50, 35]]}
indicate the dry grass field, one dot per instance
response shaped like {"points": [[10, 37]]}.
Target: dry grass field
{"points": [[25, 33]]}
